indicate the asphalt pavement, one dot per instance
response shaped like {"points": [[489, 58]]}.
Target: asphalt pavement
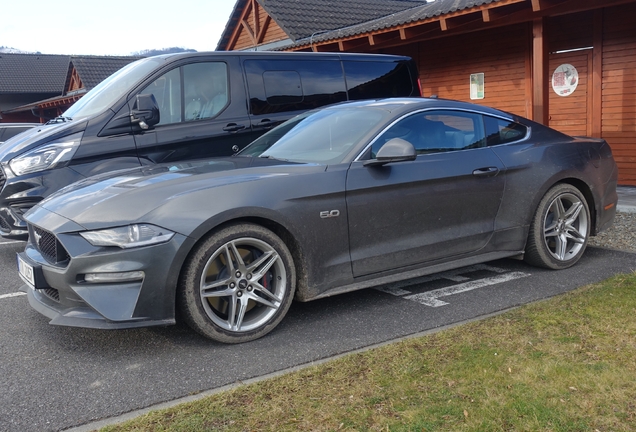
{"points": [[56, 378]]}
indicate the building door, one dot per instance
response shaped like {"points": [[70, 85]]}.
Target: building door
{"points": [[570, 92]]}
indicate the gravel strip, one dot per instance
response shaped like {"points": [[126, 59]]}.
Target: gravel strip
{"points": [[621, 235]]}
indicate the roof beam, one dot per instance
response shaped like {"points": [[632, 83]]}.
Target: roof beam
{"points": [[380, 38]]}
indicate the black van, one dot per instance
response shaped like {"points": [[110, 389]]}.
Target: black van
{"points": [[183, 106]]}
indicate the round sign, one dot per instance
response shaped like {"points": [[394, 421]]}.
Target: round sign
{"points": [[565, 79]]}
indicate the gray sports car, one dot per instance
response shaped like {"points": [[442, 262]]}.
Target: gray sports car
{"points": [[335, 200]]}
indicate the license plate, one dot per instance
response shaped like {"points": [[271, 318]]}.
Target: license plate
{"points": [[26, 271]]}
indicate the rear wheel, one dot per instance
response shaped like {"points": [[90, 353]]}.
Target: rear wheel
{"points": [[237, 284], [560, 229]]}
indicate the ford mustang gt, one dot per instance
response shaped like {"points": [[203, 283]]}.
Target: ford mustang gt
{"points": [[339, 199]]}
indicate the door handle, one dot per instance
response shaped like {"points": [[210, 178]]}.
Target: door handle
{"points": [[486, 172], [233, 127], [266, 124]]}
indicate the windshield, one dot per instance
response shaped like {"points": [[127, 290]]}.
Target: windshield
{"points": [[323, 137], [112, 88]]}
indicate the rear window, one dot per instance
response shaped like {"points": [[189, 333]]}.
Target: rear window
{"points": [[374, 79]]}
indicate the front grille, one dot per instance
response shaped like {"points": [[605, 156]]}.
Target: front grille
{"points": [[51, 293], [48, 245], [4, 225]]}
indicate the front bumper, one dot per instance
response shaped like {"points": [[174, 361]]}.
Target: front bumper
{"points": [[19, 194], [61, 292]]}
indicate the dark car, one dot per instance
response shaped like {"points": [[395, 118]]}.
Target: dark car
{"points": [[184, 106], [9, 130], [347, 197]]}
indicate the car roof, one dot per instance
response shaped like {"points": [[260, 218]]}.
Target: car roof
{"points": [[416, 103]]}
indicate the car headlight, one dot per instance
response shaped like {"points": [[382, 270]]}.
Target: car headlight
{"points": [[46, 157], [128, 236]]}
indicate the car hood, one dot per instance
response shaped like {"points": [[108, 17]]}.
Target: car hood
{"points": [[127, 196], [38, 136]]}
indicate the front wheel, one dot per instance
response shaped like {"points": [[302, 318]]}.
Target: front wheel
{"points": [[238, 284], [560, 229]]}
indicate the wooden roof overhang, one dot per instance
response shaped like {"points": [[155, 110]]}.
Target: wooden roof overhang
{"points": [[250, 22], [495, 14]]}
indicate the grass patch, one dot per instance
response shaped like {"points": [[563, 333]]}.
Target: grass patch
{"points": [[565, 364]]}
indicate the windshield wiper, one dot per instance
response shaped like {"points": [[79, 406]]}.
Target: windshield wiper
{"points": [[59, 119]]}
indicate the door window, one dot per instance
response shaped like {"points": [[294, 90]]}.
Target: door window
{"points": [[501, 131], [191, 92], [437, 131]]}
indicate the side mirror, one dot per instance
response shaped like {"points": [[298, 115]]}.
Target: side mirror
{"points": [[145, 112], [394, 150]]}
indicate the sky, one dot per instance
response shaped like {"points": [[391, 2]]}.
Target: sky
{"points": [[113, 27]]}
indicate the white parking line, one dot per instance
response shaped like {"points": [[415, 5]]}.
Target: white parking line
{"points": [[16, 294], [430, 298]]}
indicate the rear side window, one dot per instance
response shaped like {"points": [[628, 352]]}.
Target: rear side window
{"points": [[373, 79], [499, 131], [282, 85]]}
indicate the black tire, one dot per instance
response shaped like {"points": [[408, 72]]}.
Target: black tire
{"points": [[259, 283], [560, 229]]}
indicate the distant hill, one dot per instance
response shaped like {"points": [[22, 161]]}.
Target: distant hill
{"points": [[153, 52], [10, 50], [143, 53]]}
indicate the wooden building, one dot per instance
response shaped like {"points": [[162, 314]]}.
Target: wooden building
{"points": [[570, 64], [66, 79]]}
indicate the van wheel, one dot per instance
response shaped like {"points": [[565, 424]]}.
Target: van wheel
{"points": [[560, 229], [238, 284]]}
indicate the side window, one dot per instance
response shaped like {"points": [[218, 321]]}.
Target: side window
{"points": [[278, 86], [283, 87], [437, 131], [167, 91], [373, 79], [206, 90], [191, 92], [501, 131]]}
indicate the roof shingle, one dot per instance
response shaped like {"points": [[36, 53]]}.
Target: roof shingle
{"points": [[94, 69], [303, 18], [33, 73]]}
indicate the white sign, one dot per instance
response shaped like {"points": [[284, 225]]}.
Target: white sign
{"points": [[477, 86], [565, 79]]}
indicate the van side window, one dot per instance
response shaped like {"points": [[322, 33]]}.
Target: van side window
{"points": [[372, 79], [282, 87], [437, 131], [206, 90], [167, 91], [501, 131], [277, 86], [191, 92]]}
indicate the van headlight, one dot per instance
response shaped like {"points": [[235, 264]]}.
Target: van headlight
{"points": [[46, 157], [128, 236]]}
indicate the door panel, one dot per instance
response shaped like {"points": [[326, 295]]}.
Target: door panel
{"points": [[203, 112], [438, 206]]}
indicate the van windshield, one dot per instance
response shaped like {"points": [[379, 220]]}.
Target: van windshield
{"points": [[112, 88]]}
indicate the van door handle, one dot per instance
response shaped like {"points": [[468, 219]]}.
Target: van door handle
{"points": [[233, 127], [265, 124], [486, 172]]}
